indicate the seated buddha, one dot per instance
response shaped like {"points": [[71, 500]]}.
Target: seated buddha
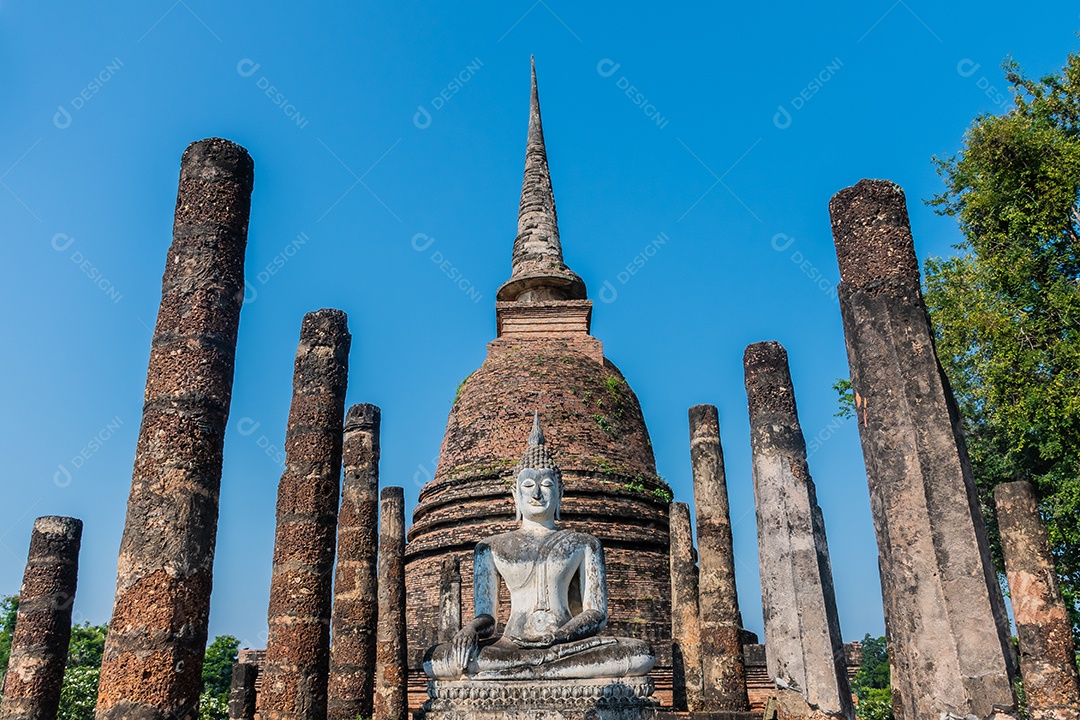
{"points": [[558, 596]]}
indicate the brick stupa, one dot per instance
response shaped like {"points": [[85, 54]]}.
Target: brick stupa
{"points": [[544, 358]]}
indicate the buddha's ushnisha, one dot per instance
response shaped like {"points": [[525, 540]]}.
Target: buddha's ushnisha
{"points": [[558, 596]]}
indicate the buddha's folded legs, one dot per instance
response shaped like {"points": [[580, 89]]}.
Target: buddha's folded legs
{"points": [[595, 657]]}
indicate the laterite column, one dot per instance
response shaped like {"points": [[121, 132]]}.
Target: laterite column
{"points": [[39, 645], [391, 672], [352, 653], [803, 646], [948, 634], [297, 665], [1043, 630], [152, 666], [723, 668]]}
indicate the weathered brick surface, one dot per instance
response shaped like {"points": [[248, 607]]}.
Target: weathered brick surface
{"points": [[803, 644], [39, 645], [1043, 630], [596, 433], [152, 665], [297, 665], [352, 653], [391, 670], [723, 674], [945, 617]]}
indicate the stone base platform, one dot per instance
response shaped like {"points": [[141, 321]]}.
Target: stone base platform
{"points": [[628, 698]]}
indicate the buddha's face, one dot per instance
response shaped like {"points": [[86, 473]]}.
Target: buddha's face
{"points": [[537, 494]]}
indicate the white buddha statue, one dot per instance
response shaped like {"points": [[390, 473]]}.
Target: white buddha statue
{"points": [[558, 596]]}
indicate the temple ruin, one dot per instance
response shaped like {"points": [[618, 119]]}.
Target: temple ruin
{"points": [[547, 572]]}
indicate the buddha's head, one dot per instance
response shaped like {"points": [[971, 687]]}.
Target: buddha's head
{"points": [[538, 487]]}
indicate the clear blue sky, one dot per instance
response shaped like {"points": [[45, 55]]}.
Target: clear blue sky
{"points": [[396, 119]]}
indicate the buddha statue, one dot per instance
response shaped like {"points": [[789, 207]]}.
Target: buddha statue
{"points": [[558, 596]]}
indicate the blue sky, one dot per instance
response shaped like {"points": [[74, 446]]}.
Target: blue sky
{"points": [[388, 143]]}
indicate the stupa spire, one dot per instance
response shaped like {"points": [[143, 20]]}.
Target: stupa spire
{"points": [[539, 272]]}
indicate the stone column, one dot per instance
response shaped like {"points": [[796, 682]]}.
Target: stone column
{"points": [[723, 670], [152, 666], [450, 599], [352, 654], [391, 673], [39, 645], [242, 691], [297, 665], [685, 626], [945, 617], [804, 650], [1047, 655]]}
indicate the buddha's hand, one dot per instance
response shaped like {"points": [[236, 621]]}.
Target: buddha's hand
{"points": [[464, 646], [543, 640]]}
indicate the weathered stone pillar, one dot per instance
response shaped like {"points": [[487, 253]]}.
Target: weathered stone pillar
{"points": [[391, 672], [297, 665], [352, 653], [804, 650], [944, 614], [1047, 655], [242, 691], [39, 646], [685, 625], [152, 666], [450, 599], [723, 671]]}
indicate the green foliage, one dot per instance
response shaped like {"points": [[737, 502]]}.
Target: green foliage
{"points": [[9, 608], [876, 706], [78, 694], [461, 388], [613, 385], [218, 663], [1006, 310], [87, 645], [871, 682], [213, 706], [663, 493], [846, 399], [873, 671]]}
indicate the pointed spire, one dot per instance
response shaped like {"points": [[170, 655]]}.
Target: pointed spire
{"points": [[536, 437], [539, 272]]}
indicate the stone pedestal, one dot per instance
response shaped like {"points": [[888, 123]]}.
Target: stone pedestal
{"points": [[627, 698]]}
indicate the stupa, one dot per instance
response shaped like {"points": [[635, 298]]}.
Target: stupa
{"points": [[543, 357]]}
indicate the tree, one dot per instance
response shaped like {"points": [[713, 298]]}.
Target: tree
{"points": [[9, 609], [218, 663], [78, 694], [1006, 310], [871, 682]]}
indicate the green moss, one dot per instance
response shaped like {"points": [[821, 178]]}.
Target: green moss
{"points": [[461, 388]]}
